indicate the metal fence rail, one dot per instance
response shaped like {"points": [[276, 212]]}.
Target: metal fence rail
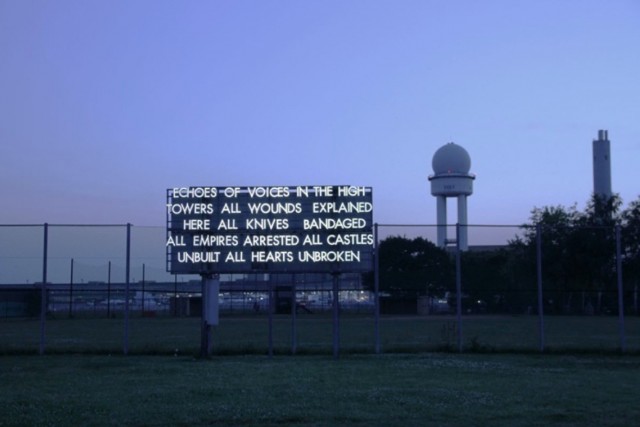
{"points": [[92, 287]]}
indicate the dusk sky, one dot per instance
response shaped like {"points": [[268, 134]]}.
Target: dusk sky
{"points": [[106, 104]]}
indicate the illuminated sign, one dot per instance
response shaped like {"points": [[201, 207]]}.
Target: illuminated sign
{"points": [[269, 229]]}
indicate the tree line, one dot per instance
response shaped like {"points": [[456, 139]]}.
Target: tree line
{"points": [[579, 261]]}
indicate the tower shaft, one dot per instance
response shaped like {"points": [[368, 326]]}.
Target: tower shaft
{"points": [[602, 165], [462, 221], [441, 207]]}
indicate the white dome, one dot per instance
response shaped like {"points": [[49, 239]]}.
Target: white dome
{"points": [[451, 158]]}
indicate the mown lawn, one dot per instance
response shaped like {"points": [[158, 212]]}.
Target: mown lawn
{"points": [[356, 390], [313, 334]]}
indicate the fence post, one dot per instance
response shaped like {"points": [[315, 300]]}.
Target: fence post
{"points": [[109, 290], [143, 283], [458, 289], [376, 290], [539, 283], [126, 292], [175, 295], [43, 288], [71, 291], [205, 328], [620, 289]]}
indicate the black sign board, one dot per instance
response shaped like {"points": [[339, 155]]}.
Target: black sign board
{"points": [[317, 228]]}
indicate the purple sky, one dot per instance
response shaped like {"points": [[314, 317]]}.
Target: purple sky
{"points": [[106, 104]]}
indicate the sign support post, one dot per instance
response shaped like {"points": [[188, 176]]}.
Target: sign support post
{"points": [[210, 309]]}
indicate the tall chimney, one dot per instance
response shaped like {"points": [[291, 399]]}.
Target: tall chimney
{"points": [[602, 165]]}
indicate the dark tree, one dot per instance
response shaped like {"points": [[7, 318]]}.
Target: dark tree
{"points": [[578, 253], [413, 267], [592, 254], [631, 251], [556, 224], [486, 281]]}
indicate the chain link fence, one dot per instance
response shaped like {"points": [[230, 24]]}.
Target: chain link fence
{"points": [[105, 289]]}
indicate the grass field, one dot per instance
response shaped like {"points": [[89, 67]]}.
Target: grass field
{"points": [[313, 333], [357, 390], [418, 380]]}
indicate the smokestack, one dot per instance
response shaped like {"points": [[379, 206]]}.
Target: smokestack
{"points": [[602, 165]]}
